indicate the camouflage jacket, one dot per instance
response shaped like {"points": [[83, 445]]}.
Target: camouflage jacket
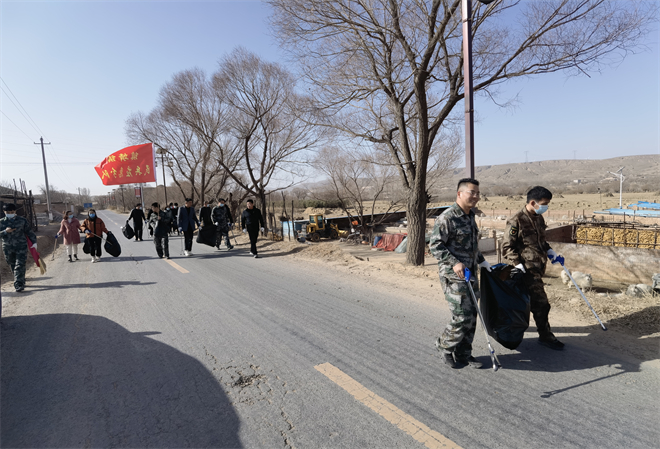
{"points": [[15, 240], [524, 241], [161, 222], [455, 239]]}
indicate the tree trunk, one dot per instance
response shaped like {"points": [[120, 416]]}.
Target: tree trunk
{"points": [[416, 216]]}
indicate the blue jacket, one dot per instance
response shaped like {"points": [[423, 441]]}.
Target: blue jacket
{"points": [[185, 219]]}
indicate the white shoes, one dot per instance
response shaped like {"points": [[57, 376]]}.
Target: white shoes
{"points": [[93, 259], [188, 253]]}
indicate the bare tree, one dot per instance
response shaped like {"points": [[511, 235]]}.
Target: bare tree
{"points": [[187, 123], [390, 72], [265, 122], [359, 185]]}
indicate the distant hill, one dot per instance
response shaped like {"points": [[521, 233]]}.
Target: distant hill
{"points": [[579, 176]]}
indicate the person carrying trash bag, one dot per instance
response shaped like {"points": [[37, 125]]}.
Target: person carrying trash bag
{"points": [[137, 215], [221, 216], [70, 229], [525, 248], [161, 221], [94, 227], [455, 243], [13, 231]]}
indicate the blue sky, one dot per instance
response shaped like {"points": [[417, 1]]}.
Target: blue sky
{"points": [[80, 69]]}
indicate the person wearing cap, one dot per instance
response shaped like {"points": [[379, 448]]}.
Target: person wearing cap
{"points": [[187, 219], [223, 221], [94, 227], [70, 229], [13, 231]]}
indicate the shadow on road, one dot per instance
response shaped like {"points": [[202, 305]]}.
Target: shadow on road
{"points": [[78, 380], [29, 289]]}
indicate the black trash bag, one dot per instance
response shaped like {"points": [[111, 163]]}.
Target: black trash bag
{"points": [[86, 246], [206, 235], [128, 231], [504, 305], [112, 245]]}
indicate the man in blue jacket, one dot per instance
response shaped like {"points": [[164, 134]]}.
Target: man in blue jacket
{"points": [[187, 219]]}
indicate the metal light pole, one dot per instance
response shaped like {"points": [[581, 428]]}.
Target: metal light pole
{"points": [[466, 13], [162, 152], [43, 155]]}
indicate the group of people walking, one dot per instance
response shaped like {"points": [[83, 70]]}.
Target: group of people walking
{"points": [[455, 243], [186, 221]]}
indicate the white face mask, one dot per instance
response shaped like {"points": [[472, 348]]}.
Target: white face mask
{"points": [[10, 215]]}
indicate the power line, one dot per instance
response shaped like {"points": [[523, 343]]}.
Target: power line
{"points": [[19, 128], [19, 110], [35, 123]]}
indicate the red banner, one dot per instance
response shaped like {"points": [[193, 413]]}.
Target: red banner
{"points": [[131, 165]]}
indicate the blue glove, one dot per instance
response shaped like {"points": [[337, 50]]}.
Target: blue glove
{"points": [[57, 236], [467, 275], [557, 259], [180, 229]]}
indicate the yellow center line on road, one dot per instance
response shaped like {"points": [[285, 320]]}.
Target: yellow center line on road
{"points": [[420, 432], [177, 266]]}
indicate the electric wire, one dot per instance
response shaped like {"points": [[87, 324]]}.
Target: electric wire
{"points": [[26, 112], [19, 128]]}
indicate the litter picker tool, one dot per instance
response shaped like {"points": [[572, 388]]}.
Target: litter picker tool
{"points": [[560, 260], [52, 257], [493, 357], [231, 229]]}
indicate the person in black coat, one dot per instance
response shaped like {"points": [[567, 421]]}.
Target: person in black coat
{"points": [[161, 221], [137, 215], [205, 214], [187, 219], [223, 220], [252, 222]]}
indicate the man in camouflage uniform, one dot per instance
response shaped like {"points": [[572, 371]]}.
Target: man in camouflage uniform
{"points": [[13, 230], [455, 243], [221, 216], [525, 247], [161, 221]]}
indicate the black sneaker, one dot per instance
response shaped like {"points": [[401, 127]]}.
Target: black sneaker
{"points": [[471, 362], [256, 256], [230, 247], [20, 289], [552, 343], [75, 256], [448, 358], [70, 259]]}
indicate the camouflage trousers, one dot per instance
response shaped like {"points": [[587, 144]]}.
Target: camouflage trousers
{"points": [[459, 333], [222, 231], [539, 304], [16, 260]]}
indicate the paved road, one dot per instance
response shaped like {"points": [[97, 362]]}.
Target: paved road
{"points": [[238, 352]]}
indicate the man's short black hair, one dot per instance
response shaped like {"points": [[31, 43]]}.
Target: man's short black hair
{"points": [[138, 205], [466, 181], [221, 200], [8, 207], [250, 201], [175, 204], [538, 193], [188, 199], [155, 205]]}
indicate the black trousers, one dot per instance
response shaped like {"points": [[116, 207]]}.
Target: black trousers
{"points": [[138, 231], [188, 236], [220, 233], [162, 245], [95, 246], [254, 235]]}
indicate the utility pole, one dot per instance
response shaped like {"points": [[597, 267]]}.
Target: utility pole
{"points": [[526, 159], [80, 197], [43, 155]]}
